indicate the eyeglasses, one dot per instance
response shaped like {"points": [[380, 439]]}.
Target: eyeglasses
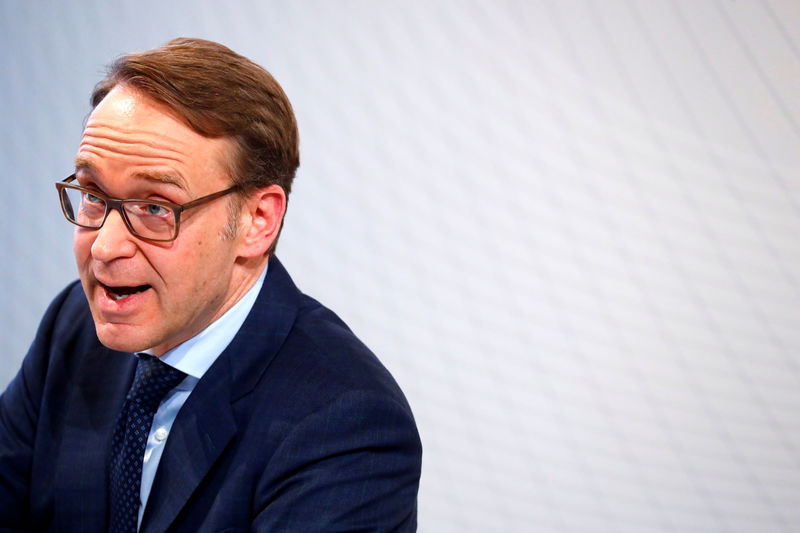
{"points": [[149, 220]]}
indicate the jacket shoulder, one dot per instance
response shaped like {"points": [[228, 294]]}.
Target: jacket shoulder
{"points": [[323, 341]]}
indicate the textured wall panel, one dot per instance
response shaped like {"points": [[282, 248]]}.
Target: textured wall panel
{"points": [[568, 228]]}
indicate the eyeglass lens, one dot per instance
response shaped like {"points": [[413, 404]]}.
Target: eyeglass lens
{"points": [[148, 220]]}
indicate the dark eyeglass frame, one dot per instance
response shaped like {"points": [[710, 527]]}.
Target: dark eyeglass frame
{"points": [[118, 203]]}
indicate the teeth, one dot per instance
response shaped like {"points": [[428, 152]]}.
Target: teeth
{"points": [[120, 293]]}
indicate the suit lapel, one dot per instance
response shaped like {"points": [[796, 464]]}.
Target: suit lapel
{"points": [[206, 423]]}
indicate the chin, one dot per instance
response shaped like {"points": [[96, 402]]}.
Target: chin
{"points": [[115, 338]]}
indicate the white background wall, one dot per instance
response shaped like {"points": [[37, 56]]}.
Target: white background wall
{"points": [[570, 229]]}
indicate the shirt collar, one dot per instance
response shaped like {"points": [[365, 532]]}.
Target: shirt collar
{"points": [[196, 355]]}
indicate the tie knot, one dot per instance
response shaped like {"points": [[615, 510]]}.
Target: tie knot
{"points": [[153, 380]]}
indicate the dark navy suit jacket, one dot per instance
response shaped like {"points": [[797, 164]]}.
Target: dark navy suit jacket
{"points": [[296, 427]]}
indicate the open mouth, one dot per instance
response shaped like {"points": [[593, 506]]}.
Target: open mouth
{"points": [[120, 293]]}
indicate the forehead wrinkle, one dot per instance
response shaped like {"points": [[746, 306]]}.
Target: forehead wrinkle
{"points": [[132, 142], [169, 178], [136, 158], [82, 162]]}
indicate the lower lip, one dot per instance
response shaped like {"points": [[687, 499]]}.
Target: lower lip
{"points": [[127, 305]]}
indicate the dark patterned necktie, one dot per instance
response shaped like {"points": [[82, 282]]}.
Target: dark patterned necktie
{"points": [[152, 381]]}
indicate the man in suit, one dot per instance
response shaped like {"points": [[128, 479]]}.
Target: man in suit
{"points": [[186, 384]]}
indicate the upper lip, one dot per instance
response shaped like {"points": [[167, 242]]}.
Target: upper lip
{"points": [[111, 284], [112, 287]]}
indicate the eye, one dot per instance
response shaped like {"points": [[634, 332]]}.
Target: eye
{"points": [[156, 210], [91, 198]]}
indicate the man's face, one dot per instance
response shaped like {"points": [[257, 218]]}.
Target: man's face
{"points": [[154, 295]]}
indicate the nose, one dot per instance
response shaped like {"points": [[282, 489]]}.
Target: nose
{"points": [[113, 240]]}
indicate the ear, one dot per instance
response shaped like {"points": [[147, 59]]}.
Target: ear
{"points": [[260, 220]]}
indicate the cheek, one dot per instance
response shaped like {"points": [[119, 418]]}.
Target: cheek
{"points": [[179, 267], [81, 245]]}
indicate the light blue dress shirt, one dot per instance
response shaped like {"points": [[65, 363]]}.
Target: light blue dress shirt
{"points": [[193, 358]]}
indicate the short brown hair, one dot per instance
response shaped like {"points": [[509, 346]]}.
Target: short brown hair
{"points": [[219, 93]]}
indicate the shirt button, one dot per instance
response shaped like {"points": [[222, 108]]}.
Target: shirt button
{"points": [[160, 434]]}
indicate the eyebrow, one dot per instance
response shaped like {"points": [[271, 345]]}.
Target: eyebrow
{"points": [[168, 178], [81, 163]]}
